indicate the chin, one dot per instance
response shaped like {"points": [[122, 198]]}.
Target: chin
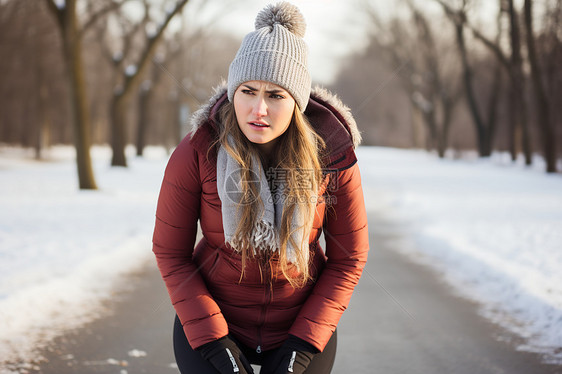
{"points": [[258, 139]]}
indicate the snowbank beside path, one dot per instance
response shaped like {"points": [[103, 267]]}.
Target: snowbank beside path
{"points": [[494, 230], [62, 249]]}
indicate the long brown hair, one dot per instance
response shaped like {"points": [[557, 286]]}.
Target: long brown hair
{"points": [[298, 152]]}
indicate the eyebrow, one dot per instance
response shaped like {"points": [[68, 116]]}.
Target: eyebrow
{"points": [[275, 91]]}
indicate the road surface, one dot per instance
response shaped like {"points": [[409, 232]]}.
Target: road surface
{"points": [[402, 319]]}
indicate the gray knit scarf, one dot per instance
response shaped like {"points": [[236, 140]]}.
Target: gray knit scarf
{"points": [[265, 236]]}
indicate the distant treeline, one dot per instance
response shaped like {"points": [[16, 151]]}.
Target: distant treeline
{"points": [[438, 81]]}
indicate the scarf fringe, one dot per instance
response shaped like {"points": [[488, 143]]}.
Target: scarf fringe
{"points": [[264, 238]]}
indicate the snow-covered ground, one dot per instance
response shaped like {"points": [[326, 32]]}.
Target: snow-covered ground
{"points": [[61, 249], [493, 229]]}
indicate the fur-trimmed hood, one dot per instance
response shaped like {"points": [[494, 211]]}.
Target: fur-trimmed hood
{"points": [[331, 119]]}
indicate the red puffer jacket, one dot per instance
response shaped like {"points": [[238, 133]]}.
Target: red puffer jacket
{"points": [[260, 310]]}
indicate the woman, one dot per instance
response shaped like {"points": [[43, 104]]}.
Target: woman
{"points": [[268, 166]]}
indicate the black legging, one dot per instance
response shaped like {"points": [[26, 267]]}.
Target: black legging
{"points": [[190, 361]]}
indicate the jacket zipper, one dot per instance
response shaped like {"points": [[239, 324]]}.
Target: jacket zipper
{"points": [[267, 293], [262, 319]]}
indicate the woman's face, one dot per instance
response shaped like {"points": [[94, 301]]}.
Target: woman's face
{"points": [[264, 111]]}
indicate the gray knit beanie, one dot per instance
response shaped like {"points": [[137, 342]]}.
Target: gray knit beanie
{"points": [[275, 52]]}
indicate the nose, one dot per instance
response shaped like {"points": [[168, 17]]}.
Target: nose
{"points": [[260, 107]]}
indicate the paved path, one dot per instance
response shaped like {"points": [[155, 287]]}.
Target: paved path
{"points": [[402, 319], [141, 320]]}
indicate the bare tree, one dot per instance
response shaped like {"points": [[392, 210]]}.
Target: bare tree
{"points": [[542, 103], [185, 67], [30, 72], [131, 77], [147, 94], [519, 105], [513, 64], [185, 76], [485, 125], [71, 31], [549, 48], [416, 52], [45, 118]]}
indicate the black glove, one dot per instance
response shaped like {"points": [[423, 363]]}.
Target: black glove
{"points": [[294, 356], [225, 356]]}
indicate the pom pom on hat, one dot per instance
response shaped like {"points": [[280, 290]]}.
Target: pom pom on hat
{"points": [[274, 52], [284, 14]]}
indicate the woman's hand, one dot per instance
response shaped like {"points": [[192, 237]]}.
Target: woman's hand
{"points": [[226, 357], [294, 356]]}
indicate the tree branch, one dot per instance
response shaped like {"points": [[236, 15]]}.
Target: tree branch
{"points": [[459, 18], [96, 16], [491, 45], [105, 50], [151, 45], [129, 36]]}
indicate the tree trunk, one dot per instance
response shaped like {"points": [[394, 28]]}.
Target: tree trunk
{"points": [[144, 103], [441, 146], [67, 21], [172, 131], [481, 130], [543, 108], [72, 45], [44, 121], [118, 116], [448, 107], [434, 139], [418, 138], [491, 122], [520, 131], [176, 109]]}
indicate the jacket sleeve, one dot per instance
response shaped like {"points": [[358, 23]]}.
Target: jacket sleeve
{"points": [[347, 244], [174, 237]]}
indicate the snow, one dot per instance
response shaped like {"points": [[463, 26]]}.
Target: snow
{"points": [[60, 4], [130, 70], [61, 249], [146, 85], [151, 30], [137, 353], [117, 56], [492, 229], [169, 9]]}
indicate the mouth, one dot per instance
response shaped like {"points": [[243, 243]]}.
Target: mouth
{"points": [[258, 124]]}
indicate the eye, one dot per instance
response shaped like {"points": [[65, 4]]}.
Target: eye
{"points": [[277, 96], [247, 92]]}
